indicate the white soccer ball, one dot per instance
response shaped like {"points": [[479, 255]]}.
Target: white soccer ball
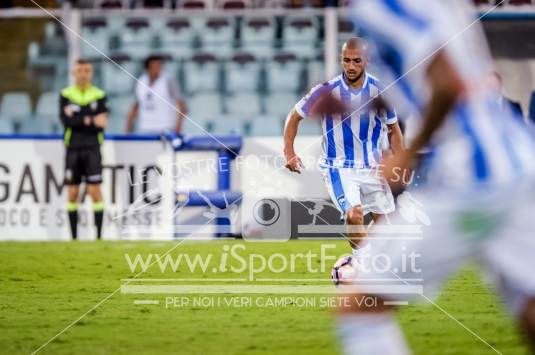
{"points": [[344, 271]]}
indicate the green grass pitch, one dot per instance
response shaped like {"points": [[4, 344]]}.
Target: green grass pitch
{"points": [[45, 286]]}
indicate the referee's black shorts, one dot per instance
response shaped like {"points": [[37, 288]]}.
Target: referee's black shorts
{"points": [[83, 163]]}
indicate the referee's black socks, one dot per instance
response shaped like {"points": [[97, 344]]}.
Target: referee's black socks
{"points": [[72, 210], [98, 209]]}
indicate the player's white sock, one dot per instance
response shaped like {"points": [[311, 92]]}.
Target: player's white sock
{"points": [[371, 334]]}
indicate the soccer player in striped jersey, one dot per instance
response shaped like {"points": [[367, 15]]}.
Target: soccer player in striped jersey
{"points": [[481, 184], [353, 142]]}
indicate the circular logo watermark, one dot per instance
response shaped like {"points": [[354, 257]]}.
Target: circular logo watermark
{"points": [[266, 212]]}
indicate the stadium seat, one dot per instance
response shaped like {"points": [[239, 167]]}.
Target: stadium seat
{"points": [[202, 73], [55, 42], [205, 106], [233, 4], [119, 107], [193, 4], [177, 37], [48, 70], [217, 36], [172, 68], [266, 126], [114, 79], [258, 35], [279, 104], [137, 38], [47, 109], [96, 33], [36, 126], [315, 72], [243, 105], [116, 125], [6, 126], [195, 128], [300, 35], [116, 24], [16, 106], [228, 125], [48, 105], [284, 73], [242, 73], [346, 30]]}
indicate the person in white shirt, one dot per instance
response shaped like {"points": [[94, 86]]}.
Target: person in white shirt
{"points": [[159, 105]]}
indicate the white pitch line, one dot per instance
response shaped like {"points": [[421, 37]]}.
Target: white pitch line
{"points": [[145, 302]]}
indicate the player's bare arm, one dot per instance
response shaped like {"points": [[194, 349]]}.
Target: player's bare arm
{"points": [[446, 87], [131, 118], [395, 137], [181, 105], [293, 162]]}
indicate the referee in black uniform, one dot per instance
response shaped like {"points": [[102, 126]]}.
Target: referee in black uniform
{"points": [[84, 115]]}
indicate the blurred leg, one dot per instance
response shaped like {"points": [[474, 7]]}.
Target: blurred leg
{"points": [[95, 193], [72, 208], [354, 218], [365, 330]]}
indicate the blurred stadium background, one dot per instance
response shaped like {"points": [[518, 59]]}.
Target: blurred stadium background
{"points": [[241, 64]]}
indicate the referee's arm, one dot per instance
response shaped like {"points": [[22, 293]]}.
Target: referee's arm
{"points": [[68, 117], [100, 119]]}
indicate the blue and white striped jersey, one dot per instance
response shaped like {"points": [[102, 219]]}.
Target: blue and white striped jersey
{"points": [[477, 145], [355, 138]]}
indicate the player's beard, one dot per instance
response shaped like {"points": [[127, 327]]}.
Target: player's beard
{"points": [[352, 81]]}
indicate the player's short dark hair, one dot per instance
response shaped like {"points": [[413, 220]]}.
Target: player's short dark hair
{"points": [[152, 58], [83, 61]]}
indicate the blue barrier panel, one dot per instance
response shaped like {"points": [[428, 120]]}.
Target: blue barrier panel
{"points": [[228, 148], [220, 199]]}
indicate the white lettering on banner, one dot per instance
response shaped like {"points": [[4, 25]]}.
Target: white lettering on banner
{"points": [[33, 196]]}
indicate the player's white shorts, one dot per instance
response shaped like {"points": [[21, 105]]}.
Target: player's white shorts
{"points": [[441, 230], [349, 187]]}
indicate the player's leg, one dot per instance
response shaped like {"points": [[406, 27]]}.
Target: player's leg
{"points": [[409, 264], [370, 330], [72, 209], [509, 257], [94, 179], [354, 219], [377, 200], [95, 192], [72, 180], [345, 194]]}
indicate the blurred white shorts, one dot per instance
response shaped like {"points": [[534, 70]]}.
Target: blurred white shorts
{"points": [[433, 232], [350, 187]]}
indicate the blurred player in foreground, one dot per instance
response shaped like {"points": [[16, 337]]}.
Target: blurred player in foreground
{"points": [[84, 115], [352, 143], [481, 187]]}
